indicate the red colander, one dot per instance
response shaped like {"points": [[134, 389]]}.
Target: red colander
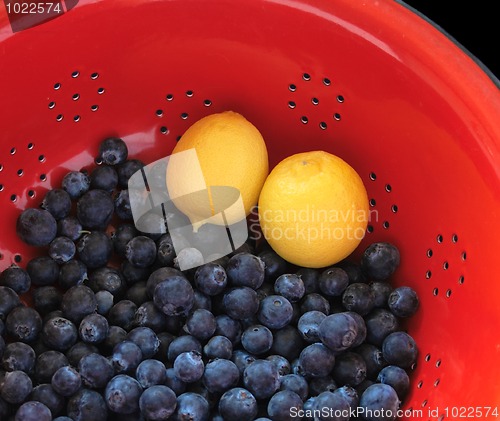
{"points": [[369, 81]]}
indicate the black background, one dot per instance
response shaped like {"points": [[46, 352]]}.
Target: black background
{"points": [[474, 24]]}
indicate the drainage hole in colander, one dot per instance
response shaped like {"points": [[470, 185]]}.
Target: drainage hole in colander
{"points": [[446, 265], [385, 224], [464, 256], [292, 104], [448, 293], [13, 198], [436, 383], [59, 117], [13, 151], [438, 363], [100, 91], [41, 158], [323, 125], [306, 77], [178, 138], [304, 119], [189, 94], [326, 81], [454, 238], [373, 176], [18, 258], [184, 116], [94, 75], [340, 98], [369, 229], [76, 97], [76, 73], [315, 101], [420, 384], [31, 146], [159, 113], [76, 118], [427, 357], [372, 202], [31, 194], [163, 130], [394, 208], [57, 86], [429, 253], [20, 172], [388, 188], [441, 418], [439, 238], [461, 280], [292, 87], [424, 403], [435, 291], [337, 116], [428, 274], [43, 177], [94, 107], [52, 104], [413, 366], [207, 103], [1, 187]]}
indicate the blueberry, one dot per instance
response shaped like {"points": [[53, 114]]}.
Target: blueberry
{"points": [[379, 324], [238, 404], [275, 312], [16, 278], [47, 363], [200, 324], [8, 301], [403, 302], [379, 399], [287, 342], [126, 169], [374, 360], [75, 183], [189, 366], [104, 177], [87, 405], [245, 270], [358, 297], [178, 386], [112, 151], [157, 403], [126, 356], [59, 334], [310, 278], [70, 227], [95, 209], [174, 295], [191, 406], [105, 301], [201, 301], [349, 394], [397, 378], [282, 404], [261, 378], [95, 370], [400, 349], [290, 286], [333, 281], [281, 363], [57, 202], [314, 302], [182, 344], [274, 265], [45, 394], [43, 271], [93, 328], [72, 274], [66, 381], [62, 249], [18, 356], [165, 252], [23, 324], [123, 314], [141, 251], [78, 302], [122, 394], [116, 334], [241, 303], [228, 327], [146, 339], [220, 375], [295, 383], [316, 360], [121, 236], [107, 279], [36, 227], [123, 209], [381, 291], [361, 328], [328, 403], [242, 359], [46, 299], [257, 339], [94, 249], [350, 369], [16, 387], [308, 325], [338, 331], [132, 274], [148, 315], [80, 350], [380, 261], [151, 372], [210, 278], [33, 411]]}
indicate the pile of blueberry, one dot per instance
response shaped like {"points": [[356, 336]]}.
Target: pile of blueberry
{"points": [[114, 330]]}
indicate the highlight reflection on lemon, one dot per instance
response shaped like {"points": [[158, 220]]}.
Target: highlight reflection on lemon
{"points": [[224, 157]]}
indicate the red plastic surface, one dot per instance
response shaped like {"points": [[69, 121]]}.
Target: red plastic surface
{"points": [[400, 101]]}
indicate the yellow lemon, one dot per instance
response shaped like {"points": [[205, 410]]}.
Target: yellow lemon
{"points": [[313, 209], [220, 161]]}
